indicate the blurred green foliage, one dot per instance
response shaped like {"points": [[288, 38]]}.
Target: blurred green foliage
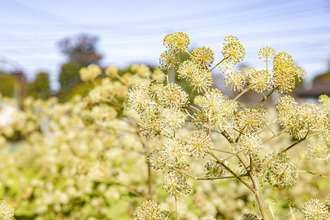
{"points": [[40, 87]]}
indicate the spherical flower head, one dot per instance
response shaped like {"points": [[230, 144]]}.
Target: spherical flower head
{"points": [[149, 210], [198, 78], [203, 56], [266, 53], [285, 73], [249, 216], [280, 173], [111, 71], [169, 59], [198, 144], [173, 118], [235, 80], [316, 149], [214, 169], [233, 51], [173, 145], [150, 124], [175, 184], [250, 144], [187, 69], [90, 72], [314, 209], [178, 41], [157, 159], [258, 80], [215, 107], [6, 211], [172, 96], [251, 120], [138, 99]]}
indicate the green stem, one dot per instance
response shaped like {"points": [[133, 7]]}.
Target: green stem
{"points": [[219, 63]]}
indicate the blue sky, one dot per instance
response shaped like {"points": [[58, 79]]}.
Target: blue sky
{"points": [[132, 31]]}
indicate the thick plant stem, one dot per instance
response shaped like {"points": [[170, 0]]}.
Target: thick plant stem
{"points": [[258, 194]]}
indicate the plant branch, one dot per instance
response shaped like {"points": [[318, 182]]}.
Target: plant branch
{"points": [[232, 172], [219, 63]]}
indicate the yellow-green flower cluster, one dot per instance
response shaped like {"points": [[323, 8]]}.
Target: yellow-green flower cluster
{"points": [[148, 210], [233, 52], [203, 56], [285, 73], [280, 172], [266, 53], [314, 209], [90, 72], [198, 144], [6, 211], [199, 78], [299, 120], [175, 184], [178, 41]]}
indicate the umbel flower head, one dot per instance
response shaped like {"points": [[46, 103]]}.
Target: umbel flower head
{"points": [[198, 144], [203, 56], [280, 173], [90, 72], [178, 41], [314, 209], [149, 210], [233, 51], [285, 73], [199, 78], [6, 211], [175, 184]]}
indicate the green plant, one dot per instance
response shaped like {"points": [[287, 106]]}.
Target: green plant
{"points": [[164, 108]]}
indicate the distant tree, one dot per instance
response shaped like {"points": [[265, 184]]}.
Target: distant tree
{"points": [[81, 50], [40, 87], [13, 84], [7, 84]]}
